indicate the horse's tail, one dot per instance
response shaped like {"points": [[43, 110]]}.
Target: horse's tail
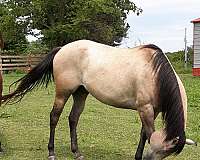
{"points": [[39, 75], [170, 100]]}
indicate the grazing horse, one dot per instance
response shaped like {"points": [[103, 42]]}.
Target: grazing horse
{"points": [[140, 79]]}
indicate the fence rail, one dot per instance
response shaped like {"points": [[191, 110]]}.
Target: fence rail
{"points": [[23, 63]]}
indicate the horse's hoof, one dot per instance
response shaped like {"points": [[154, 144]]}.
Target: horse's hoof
{"points": [[52, 158], [80, 157]]}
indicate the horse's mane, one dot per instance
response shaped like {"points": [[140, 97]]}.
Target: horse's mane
{"points": [[170, 102]]}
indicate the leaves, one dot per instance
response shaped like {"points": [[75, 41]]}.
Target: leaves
{"points": [[64, 21]]}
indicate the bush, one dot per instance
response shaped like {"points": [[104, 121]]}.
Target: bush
{"points": [[178, 62], [36, 47]]}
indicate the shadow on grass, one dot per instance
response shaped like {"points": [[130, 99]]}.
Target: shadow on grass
{"points": [[97, 153], [63, 152]]}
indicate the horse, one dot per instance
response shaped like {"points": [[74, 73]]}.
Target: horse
{"points": [[139, 78]]}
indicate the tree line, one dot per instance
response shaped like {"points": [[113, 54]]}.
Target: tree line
{"points": [[61, 22]]}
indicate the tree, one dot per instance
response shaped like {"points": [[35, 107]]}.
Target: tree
{"points": [[68, 20], [13, 31], [64, 21]]}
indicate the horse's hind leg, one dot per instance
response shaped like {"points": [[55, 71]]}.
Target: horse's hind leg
{"points": [[79, 98], [59, 103]]}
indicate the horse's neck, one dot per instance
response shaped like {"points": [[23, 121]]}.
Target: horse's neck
{"points": [[183, 97]]}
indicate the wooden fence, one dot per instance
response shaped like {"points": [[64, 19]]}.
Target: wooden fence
{"points": [[22, 63]]}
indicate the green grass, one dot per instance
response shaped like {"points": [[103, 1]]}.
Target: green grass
{"points": [[104, 133]]}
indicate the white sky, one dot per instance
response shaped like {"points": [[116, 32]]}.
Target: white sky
{"points": [[163, 23]]}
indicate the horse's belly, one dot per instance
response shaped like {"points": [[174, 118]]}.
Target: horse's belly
{"points": [[113, 94], [116, 101]]}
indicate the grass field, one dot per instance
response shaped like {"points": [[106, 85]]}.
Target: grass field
{"points": [[105, 133]]}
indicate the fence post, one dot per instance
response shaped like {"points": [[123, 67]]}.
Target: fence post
{"points": [[1, 65], [1, 82]]}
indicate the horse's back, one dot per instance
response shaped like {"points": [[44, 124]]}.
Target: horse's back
{"points": [[118, 77]]}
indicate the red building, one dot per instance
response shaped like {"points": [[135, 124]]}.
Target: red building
{"points": [[196, 47]]}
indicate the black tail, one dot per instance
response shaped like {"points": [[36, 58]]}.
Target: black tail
{"points": [[39, 75], [170, 100]]}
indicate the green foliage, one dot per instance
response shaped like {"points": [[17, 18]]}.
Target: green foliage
{"points": [[36, 47], [13, 30], [64, 21], [178, 61]]}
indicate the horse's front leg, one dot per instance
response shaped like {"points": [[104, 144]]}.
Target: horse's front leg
{"points": [[147, 117], [143, 138], [54, 117], [79, 98], [140, 148]]}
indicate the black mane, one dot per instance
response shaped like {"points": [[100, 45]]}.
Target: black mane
{"points": [[170, 102]]}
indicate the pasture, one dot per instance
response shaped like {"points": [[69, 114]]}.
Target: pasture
{"points": [[104, 132]]}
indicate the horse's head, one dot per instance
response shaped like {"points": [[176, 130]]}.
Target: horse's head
{"points": [[159, 148]]}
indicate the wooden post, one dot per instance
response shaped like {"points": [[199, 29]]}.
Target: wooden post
{"points": [[1, 41], [1, 80], [29, 64], [185, 40]]}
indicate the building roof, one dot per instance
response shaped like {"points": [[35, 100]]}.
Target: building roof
{"points": [[196, 20]]}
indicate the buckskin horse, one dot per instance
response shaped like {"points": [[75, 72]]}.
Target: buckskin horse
{"points": [[146, 82]]}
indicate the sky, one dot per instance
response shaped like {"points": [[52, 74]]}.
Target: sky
{"points": [[162, 23]]}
